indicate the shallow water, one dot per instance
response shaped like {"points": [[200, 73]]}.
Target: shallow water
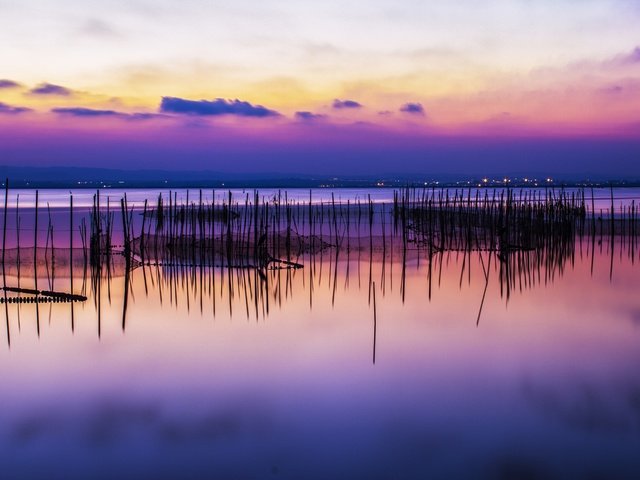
{"points": [[219, 373]]}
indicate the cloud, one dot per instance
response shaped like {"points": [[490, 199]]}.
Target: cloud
{"points": [[50, 89], [341, 104], [9, 110], [97, 113], [98, 28], [145, 116], [4, 83], [219, 106], [309, 116], [86, 112], [413, 108], [633, 57], [612, 89], [629, 59]]}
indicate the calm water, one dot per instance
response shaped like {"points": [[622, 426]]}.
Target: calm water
{"points": [[211, 373], [84, 197]]}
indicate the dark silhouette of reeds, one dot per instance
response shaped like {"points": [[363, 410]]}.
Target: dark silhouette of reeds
{"points": [[272, 233], [252, 239]]}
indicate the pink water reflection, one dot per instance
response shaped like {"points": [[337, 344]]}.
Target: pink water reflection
{"points": [[545, 386]]}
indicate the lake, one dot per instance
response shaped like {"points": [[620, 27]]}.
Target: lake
{"points": [[377, 355]]}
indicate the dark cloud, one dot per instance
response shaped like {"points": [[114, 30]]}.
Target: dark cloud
{"points": [[86, 112], [219, 106], [309, 116], [341, 104], [96, 113], [50, 89], [4, 83], [8, 109], [385, 112], [413, 108]]}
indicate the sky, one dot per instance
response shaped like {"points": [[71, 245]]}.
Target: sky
{"points": [[331, 87]]}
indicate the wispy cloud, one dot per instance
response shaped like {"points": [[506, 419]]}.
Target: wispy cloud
{"points": [[9, 110], [342, 104], [98, 28], [413, 108], [622, 60], [4, 83], [50, 89], [612, 89], [633, 57], [145, 116], [309, 116], [86, 112], [216, 107]]}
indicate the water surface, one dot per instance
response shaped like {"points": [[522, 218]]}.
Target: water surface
{"points": [[219, 373]]}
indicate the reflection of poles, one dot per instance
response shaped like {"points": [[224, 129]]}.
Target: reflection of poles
{"points": [[375, 322], [127, 257], [98, 289], [487, 271], [53, 257], [142, 239], [593, 230], [18, 247], [126, 297], [611, 234]]}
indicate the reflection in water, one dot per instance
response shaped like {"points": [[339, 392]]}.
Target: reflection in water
{"points": [[394, 352], [252, 292]]}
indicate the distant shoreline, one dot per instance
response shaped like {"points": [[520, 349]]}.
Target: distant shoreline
{"points": [[237, 184], [56, 177]]}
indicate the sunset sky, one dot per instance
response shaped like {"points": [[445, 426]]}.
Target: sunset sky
{"points": [[325, 87]]}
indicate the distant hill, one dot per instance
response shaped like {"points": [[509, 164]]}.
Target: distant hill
{"points": [[85, 177]]}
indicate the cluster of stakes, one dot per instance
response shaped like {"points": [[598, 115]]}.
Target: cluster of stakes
{"points": [[525, 227]]}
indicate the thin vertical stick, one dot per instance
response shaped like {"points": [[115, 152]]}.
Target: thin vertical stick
{"points": [[71, 256], [4, 229], [18, 246], [4, 247], [35, 265], [375, 322]]}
